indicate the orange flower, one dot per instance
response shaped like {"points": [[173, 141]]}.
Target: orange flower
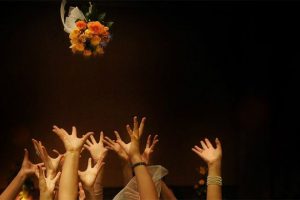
{"points": [[88, 33], [79, 47], [81, 25], [95, 40], [74, 34], [87, 52], [95, 27]]}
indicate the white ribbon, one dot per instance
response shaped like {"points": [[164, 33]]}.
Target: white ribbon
{"points": [[74, 14]]}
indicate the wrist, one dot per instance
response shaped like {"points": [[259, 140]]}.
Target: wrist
{"points": [[136, 158], [22, 175], [46, 195], [214, 169]]}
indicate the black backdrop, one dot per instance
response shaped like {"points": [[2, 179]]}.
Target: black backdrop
{"points": [[194, 69]]}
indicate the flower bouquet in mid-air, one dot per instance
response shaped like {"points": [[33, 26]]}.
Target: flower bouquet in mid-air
{"points": [[88, 32]]}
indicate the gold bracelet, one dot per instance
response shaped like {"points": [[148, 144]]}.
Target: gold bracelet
{"points": [[214, 180]]}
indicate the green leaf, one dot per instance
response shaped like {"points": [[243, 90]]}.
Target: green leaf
{"points": [[101, 16], [109, 24]]}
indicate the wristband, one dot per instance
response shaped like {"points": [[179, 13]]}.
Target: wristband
{"points": [[137, 164]]}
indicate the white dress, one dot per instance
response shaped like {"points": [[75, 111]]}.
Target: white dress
{"points": [[130, 191]]}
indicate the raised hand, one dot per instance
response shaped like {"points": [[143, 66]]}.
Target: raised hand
{"points": [[212, 156], [88, 176], [71, 142], [51, 164], [47, 185], [28, 168], [114, 146], [97, 150], [149, 148], [133, 149], [208, 153]]}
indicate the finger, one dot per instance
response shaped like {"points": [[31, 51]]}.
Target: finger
{"points": [[197, 152], [89, 163], [86, 136], [122, 144], [218, 143], [142, 125], [129, 130], [155, 141], [59, 133], [57, 152], [109, 140], [208, 144], [135, 124], [101, 137], [44, 151], [87, 147], [203, 145], [117, 135], [89, 142], [109, 145], [40, 174], [57, 177], [26, 155], [148, 141], [93, 139], [198, 149], [74, 131], [155, 137], [36, 147]]}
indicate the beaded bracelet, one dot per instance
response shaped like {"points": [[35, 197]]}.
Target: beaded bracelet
{"points": [[214, 180]]}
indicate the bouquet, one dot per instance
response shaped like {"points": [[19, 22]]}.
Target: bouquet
{"points": [[88, 33]]}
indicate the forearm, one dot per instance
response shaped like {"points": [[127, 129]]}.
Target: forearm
{"points": [[14, 187], [166, 193], [46, 196], [98, 186], [68, 185], [145, 183], [127, 173], [214, 192], [90, 195]]}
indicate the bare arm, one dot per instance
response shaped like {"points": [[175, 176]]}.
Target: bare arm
{"points": [[126, 167], [68, 185], [98, 152], [14, 187], [88, 178], [146, 187], [212, 156], [166, 192], [47, 185]]}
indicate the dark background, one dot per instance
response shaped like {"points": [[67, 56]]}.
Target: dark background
{"points": [[194, 69]]}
